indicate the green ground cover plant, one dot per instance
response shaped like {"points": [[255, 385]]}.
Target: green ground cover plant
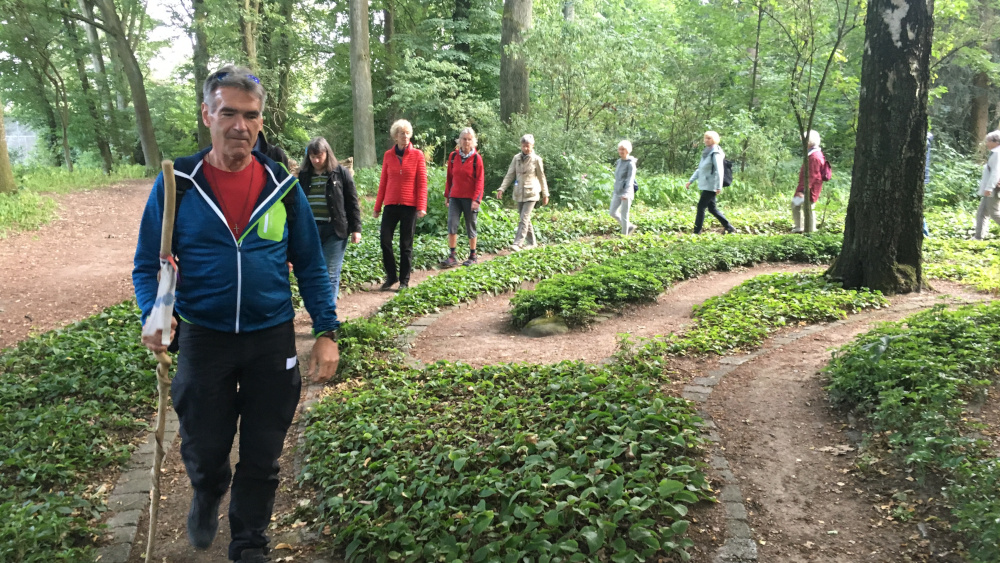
{"points": [[24, 211], [742, 318], [72, 403], [914, 380], [567, 462], [971, 262], [641, 275]]}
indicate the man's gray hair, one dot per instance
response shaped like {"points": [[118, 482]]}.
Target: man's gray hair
{"points": [[231, 76], [993, 136], [529, 138]]}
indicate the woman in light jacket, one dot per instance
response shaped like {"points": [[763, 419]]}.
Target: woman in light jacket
{"points": [[624, 191], [989, 206], [815, 178], [709, 177], [527, 168], [403, 190]]}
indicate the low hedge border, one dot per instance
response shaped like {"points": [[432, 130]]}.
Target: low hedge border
{"points": [[642, 275], [913, 381]]}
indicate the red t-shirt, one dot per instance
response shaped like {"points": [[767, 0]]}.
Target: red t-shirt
{"points": [[237, 193]]}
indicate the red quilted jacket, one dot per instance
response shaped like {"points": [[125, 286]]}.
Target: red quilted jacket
{"points": [[403, 183]]}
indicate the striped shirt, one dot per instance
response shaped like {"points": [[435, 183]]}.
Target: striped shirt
{"points": [[317, 198]]}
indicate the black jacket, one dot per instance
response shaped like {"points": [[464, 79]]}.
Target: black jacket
{"points": [[341, 199], [273, 152]]}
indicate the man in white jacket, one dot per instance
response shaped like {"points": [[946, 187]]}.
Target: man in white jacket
{"points": [[988, 184]]}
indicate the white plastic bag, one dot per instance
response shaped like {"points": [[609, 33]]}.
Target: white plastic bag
{"points": [[797, 200]]}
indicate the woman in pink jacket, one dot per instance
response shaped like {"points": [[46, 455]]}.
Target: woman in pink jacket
{"points": [[817, 162], [402, 189]]}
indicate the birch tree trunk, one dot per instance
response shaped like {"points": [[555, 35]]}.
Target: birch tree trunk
{"points": [[882, 233]]}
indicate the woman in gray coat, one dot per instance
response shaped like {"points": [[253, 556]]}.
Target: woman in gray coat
{"points": [[989, 183], [709, 177], [624, 191]]}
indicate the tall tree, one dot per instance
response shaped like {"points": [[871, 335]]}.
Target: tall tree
{"points": [[882, 232], [513, 65], [90, 99], [361, 86], [120, 38], [103, 81], [980, 106], [7, 184]]}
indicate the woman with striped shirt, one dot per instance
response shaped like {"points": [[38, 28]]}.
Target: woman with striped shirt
{"points": [[329, 187]]}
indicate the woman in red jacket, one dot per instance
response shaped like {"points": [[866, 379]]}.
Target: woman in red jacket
{"points": [[816, 163], [463, 192], [403, 191]]}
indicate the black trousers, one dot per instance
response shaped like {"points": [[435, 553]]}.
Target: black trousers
{"points": [[406, 217], [707, 201], [223, 379]]}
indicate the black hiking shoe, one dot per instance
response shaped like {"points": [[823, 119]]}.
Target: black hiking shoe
{"points": [[449, 262], [203, 521], [730, 229], [403, 285], [258, 555], [471, 260], [387, 286]]}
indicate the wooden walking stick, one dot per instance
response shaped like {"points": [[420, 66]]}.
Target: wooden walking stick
{"points": [[162, 358]]}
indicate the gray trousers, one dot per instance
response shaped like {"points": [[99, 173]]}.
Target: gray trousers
{"points": [[525, 235], [989, 207], [797, 212], [619, 211]]}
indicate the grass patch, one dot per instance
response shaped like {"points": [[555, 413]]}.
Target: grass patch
{"points": [[72, 401], [24, 211], [913, 380], [509, 462], [59, 180]]}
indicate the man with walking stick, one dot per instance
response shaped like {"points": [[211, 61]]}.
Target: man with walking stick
{"points": [[240, 217]]}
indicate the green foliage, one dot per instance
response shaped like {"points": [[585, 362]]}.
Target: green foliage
{"points": [[548, 463], [47, 179], [24, 211], [641, 275], [742, 318], [578, 298], [913, 379], [365, 347], [71, 403], [954, 179], [968, 261]]}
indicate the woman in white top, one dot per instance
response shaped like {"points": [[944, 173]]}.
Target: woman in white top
{"points": [[988, 184]]}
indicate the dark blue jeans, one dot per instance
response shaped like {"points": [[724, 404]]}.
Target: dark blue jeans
{"points": [[334, 249], [224, 379], [707, 201]]}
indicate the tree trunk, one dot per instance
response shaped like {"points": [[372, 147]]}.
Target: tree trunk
{"points": [[51, 135], [100, 134], [103, 80], [569, 11], [7, 184], [361, 86], [980, 107], [282, 65], [389, 34], [249, 18], [513, 66], [752, 102], [461, 34], [882, 233], [143, 121], [200, 19]]}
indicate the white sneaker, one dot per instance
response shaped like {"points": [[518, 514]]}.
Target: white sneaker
{"points": [[529, 246], [515, 248]]}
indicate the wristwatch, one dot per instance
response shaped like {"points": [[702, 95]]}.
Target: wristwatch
{"points": [[331, 334]]}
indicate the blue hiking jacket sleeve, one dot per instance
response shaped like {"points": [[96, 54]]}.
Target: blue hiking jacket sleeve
{"points": [[229, 284]]}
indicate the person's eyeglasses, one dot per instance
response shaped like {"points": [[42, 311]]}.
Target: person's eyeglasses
{"points": [[222, 75]]}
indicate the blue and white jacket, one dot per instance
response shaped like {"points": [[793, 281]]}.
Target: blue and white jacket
{"points": [[229, 284]]}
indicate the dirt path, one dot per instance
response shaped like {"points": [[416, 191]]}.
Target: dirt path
{"points": [[74, 266]]}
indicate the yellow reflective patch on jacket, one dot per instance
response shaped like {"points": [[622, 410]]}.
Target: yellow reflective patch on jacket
{"points": [[272, 225]]}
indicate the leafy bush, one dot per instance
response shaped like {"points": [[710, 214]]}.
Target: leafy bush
{"points": [[968, 261], [578, 298], [366, 344], [913, 380], [543, 463], [72, 401], [24, 210], [743, 317], [641, 275], [954, 178]]}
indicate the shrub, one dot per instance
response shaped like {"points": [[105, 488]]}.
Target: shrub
{"points": [[547, 463]]}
